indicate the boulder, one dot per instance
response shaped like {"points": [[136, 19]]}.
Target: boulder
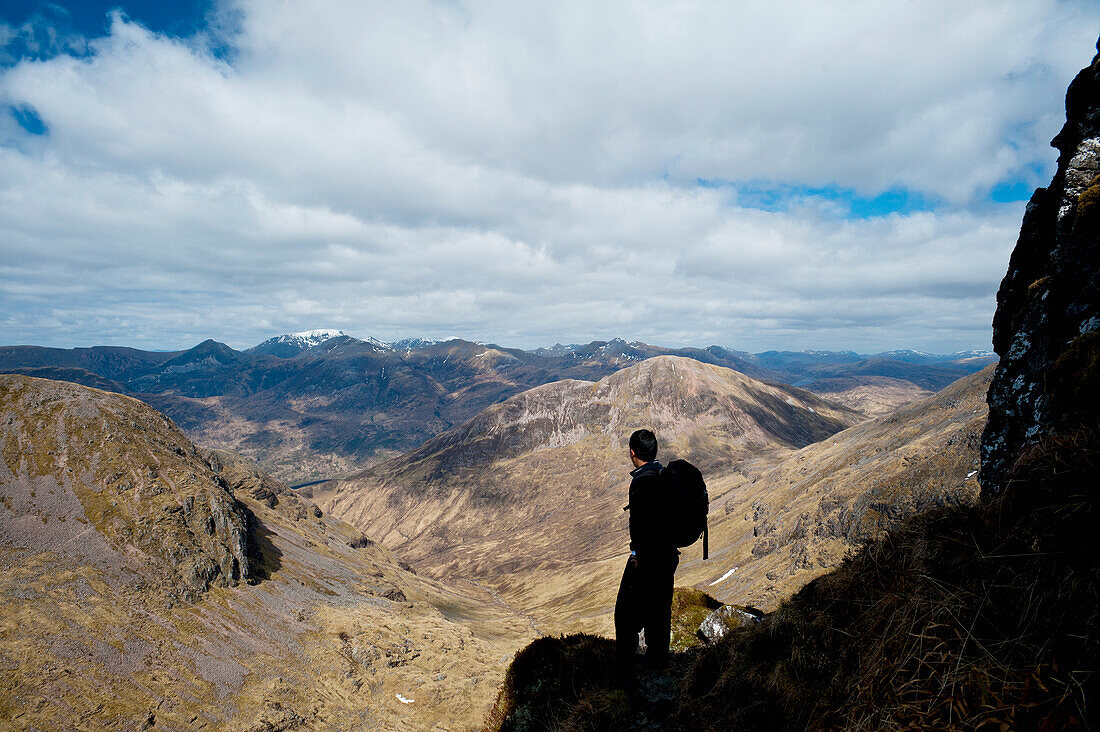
{"points": [[726, 618]]}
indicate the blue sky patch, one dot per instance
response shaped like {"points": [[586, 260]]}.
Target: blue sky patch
{"points": [[773, 196], [46, 29], [1011, 191], [28, 119], [895, 200]]}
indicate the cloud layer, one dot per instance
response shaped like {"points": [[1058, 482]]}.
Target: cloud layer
{"points": [[531, 174]]}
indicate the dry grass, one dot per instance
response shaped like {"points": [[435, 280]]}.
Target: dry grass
{"points": [[555, 682], [566, 682]]}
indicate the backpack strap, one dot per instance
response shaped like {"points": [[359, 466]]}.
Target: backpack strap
{"points": [[706, 541]]}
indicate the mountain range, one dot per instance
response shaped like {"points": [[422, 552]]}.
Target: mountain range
{"points": [[312, 405]]}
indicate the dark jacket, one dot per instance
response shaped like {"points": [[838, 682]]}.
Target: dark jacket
{"points": [[648, 512]]}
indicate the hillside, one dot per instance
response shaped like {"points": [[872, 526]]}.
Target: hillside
{"points": [[320, 403], [527, 496], [145, 583], [777, 527]]}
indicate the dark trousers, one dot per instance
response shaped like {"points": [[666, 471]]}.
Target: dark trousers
{"points": [[645, 602]]}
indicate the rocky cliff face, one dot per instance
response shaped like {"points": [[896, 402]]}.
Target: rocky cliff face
{"points": [[74, 456], [1047, 326]]}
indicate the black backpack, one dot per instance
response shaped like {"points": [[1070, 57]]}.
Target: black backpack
{"points": [[688, 503]]}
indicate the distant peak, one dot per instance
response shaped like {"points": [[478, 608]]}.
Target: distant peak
{"points": [[291, 344], [412, 344], [211, 345], [319, 333], [668, 362]]}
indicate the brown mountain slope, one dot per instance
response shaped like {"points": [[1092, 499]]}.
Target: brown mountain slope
{"points": [[874, 396], [527, 497], [136, 481], [783, 525], [106, 511]]}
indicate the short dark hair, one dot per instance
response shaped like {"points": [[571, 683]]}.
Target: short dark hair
{"points": [[644, 445]]}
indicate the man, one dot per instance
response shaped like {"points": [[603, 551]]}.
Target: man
{"points": [[645, 593]]}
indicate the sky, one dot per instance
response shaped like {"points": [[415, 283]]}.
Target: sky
{"points": [[782, 175]]}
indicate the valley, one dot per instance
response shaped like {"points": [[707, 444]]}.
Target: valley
{"points": [[527, 497]]}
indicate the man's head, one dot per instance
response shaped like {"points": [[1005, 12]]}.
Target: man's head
{"points": [[643, 446]]}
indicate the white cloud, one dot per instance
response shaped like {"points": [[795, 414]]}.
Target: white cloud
{"points": [[527, 173]]}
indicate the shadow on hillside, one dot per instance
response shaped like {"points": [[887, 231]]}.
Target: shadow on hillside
{"points": [[267, 558], [567, 683]]}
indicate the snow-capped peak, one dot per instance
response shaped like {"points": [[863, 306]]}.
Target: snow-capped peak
{"points": [[291, 344], [307, 338], [973, 354], [907, 352], [412, 344], [319, 335]]}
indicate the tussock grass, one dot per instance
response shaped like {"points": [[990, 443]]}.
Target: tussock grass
{"points": [[558, 683]]}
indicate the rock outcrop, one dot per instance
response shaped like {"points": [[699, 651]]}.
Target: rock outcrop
{"points": [[242, 475], [721, 621], [1047, 326], [134, 477]]}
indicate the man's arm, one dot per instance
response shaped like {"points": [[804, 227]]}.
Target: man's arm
{"points": [[644, 518]]}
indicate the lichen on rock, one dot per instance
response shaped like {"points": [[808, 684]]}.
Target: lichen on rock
{"points": [[1048, 305]]}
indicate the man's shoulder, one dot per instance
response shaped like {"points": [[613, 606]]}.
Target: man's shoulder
{"points": [[647, 472]]}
